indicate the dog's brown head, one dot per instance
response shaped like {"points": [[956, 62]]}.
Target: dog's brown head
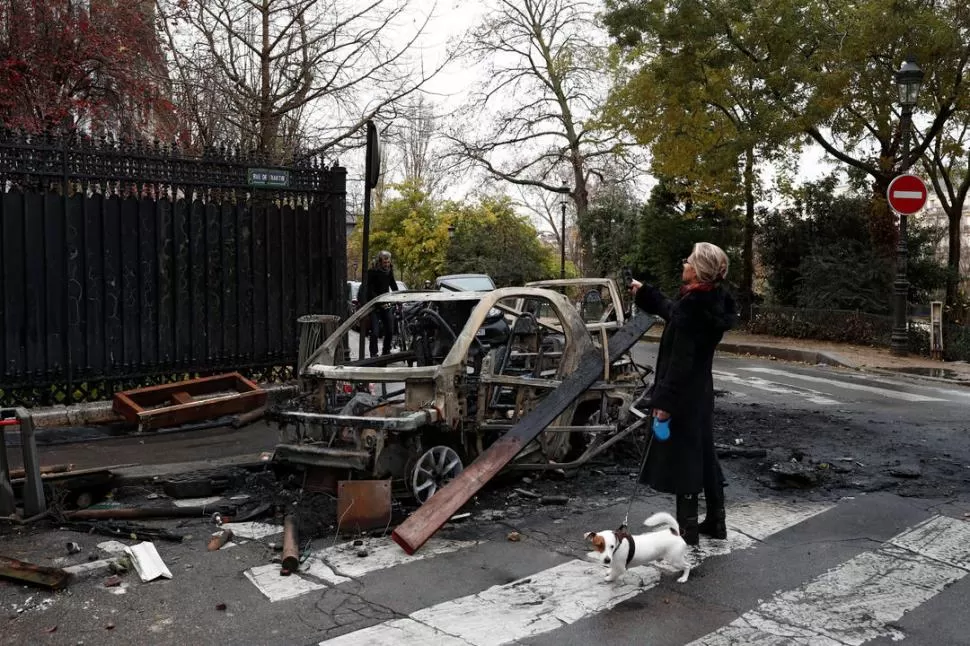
{"points": [[598, 542]]}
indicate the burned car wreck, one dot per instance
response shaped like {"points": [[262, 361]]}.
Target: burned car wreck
{"points": [[467, 368]]}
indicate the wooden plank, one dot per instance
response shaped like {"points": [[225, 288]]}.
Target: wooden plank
{"points": [[422, 524], [182, 397], [211, 408]]}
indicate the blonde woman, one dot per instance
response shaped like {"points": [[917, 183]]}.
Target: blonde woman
{"points": [[683, 389]]}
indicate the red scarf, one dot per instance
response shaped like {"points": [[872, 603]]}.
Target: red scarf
{"points": [[696, 287]]}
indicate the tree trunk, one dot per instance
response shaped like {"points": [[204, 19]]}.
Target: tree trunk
{"points": [[883, 228], [953, 260], [581, 200], [747, 259], [268, 130]]}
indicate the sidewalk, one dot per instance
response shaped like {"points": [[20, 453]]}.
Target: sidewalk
{"points": [[857, 357]]}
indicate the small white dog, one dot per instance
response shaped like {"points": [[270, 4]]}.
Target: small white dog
{"points": [[620, 549]]}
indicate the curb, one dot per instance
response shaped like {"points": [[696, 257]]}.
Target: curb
{"points": [[937, 380], [787, 354], [826, 358], [783, 354], [101, 412], [145, 474]]}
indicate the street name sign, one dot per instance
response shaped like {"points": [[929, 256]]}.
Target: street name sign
{"points": [[269, 177]]}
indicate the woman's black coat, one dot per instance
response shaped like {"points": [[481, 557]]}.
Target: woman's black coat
{"points": [[683, 386]]}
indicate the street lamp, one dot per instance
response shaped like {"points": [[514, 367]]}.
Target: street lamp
{"points": [[562, 233], [908, 81]]}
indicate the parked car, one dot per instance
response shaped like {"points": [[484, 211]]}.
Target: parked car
{"points": [[465, 282], [418, 415]]}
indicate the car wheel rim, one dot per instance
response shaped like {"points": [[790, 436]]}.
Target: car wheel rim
{"points": [[433, 470]]}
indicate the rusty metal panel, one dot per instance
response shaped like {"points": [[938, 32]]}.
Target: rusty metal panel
{"points": [[363, 505]]}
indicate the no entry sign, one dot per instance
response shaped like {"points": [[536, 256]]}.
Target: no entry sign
{"points": [[907, 194]]}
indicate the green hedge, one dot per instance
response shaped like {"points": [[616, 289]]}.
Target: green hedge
{"points": [[858, 328]]}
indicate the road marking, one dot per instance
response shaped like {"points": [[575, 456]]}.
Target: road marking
{"points": [[813, 396], [885, 392], [275, 587], [252, 530], [340, 563], [965, 393], [560, 595], [859, 600]]}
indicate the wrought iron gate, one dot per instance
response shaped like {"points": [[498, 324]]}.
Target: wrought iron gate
{"points": [[127, 264]]}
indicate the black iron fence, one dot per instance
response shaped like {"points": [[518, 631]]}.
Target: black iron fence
{"points": [[126, 264]]}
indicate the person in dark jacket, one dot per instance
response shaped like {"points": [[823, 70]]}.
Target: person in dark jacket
{"points": [[683, 389], [380, 280]]}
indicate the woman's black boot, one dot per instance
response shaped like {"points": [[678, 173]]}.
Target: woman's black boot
{"points": [[687, 518], [714, 523]]}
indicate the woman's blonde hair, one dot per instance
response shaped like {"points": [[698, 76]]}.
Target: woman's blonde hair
{"points": [[709, 261]]}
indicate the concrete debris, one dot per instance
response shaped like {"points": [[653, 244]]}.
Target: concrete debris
{"points": [[795, 474], [112, 547], [554, 500], [906, 471], [73, 548]]}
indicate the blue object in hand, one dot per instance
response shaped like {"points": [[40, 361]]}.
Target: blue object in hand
{"points": [[661, 428]]}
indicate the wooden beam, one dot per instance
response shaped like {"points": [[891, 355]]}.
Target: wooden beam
{"points": [[423, 523]]}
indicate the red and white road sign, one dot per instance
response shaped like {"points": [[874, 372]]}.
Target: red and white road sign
{"points": [[907, 194]]}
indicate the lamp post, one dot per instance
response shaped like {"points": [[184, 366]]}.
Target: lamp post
{"points": [[562, 234], [908, 81]]}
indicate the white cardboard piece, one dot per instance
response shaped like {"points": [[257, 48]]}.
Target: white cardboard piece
{"points": [[147, 562]]}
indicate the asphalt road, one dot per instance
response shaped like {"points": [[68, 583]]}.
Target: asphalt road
{"points": [[872, 546]]}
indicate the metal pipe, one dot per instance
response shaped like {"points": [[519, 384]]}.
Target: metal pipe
{"points": [[291, 548]]}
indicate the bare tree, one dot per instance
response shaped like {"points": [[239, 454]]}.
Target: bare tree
{"points": [[544, 63], [283, 68]]}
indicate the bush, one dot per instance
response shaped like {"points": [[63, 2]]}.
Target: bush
{"points": [[858, 328], [840, 326], [956, 343]]}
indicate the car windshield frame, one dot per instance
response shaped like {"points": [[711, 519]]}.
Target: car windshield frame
{"points": [[467, 283]]}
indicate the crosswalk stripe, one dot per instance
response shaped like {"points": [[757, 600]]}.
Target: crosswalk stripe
{"points": [[341, 563], [560, 595], [858, 600], [846, 385], [812, 396], [958, 392]]}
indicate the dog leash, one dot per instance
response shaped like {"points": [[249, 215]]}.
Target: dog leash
{"points": [[636, 482]]}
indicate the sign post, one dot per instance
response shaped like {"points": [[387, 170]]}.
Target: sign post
{"points": [[907, 195], [372, 173]]}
